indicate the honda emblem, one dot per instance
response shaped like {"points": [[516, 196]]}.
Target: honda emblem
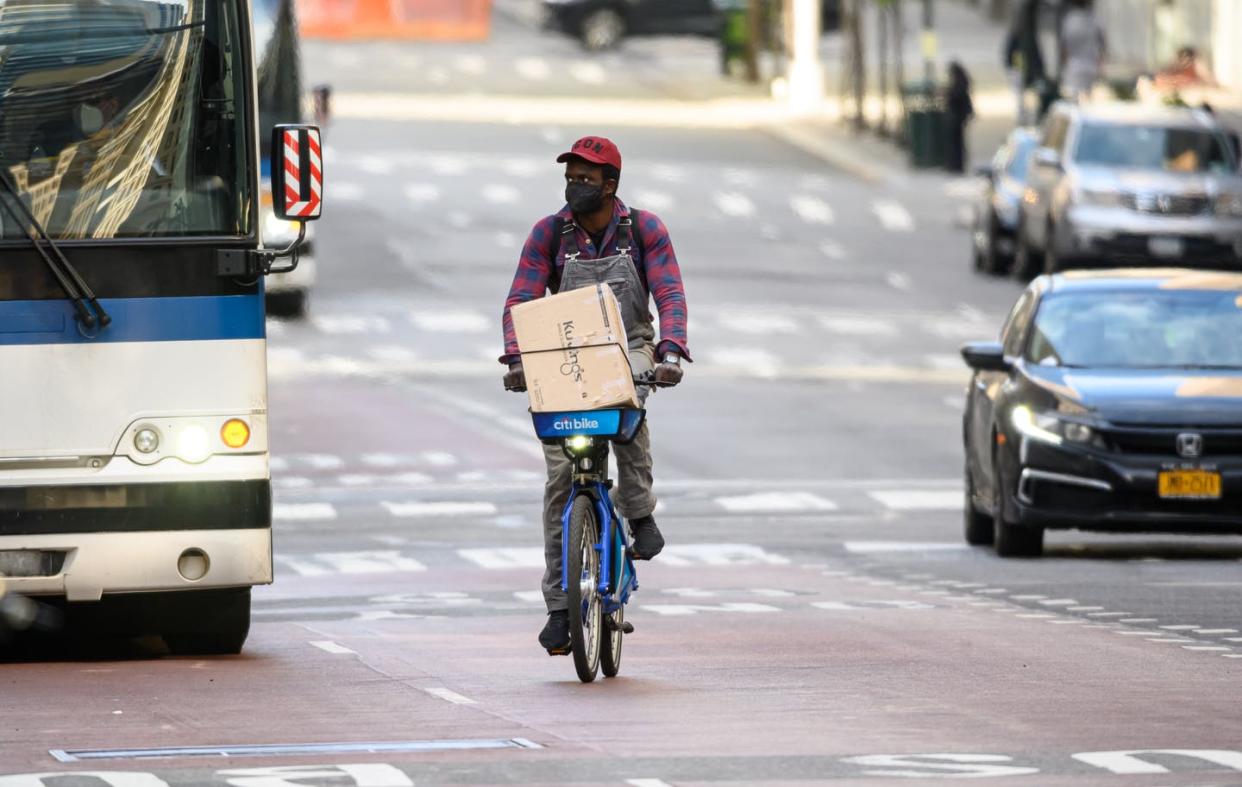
{"points": [[1190, 445]]}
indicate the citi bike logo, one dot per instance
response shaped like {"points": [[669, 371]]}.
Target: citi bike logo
{"points": [[570, 368], [568, 424]]}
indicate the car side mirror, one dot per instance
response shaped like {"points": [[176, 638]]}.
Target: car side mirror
{"points": [[297, 172], [986, 357], [1047, 157]]}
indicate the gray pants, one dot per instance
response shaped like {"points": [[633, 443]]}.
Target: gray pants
{"points": [[633, 496]]}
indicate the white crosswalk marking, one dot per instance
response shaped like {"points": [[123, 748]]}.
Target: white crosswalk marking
{"points": [[328, 646], [453, 322], [920, 499], [501, 194], [893, 215], [440, 509], [368, 562], [759, 323], [857, 326], [391, 353], [473, 65], [304, 512], [504, 557], [734, 204], [350, 325], [347, 192], [720, 555], [775, 502], [811, 209], [321, 461], [747, 607], [848, 606], [383, 460], [832, 250], [439, 459], [535, 69], [652, 200], [421, 193], [588, 73], [898, 281]]}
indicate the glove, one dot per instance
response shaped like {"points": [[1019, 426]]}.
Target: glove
{"points": [[515, 378], [668, 374]]}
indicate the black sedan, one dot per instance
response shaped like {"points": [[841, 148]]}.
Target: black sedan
{"points": [[1113, 401], [995, 232]]}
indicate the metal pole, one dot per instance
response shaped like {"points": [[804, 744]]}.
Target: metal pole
{"points": [[806, 73], [930, 44]]}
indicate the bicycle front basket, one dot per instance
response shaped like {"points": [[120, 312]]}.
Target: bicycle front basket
{"points": [[617, 425]]}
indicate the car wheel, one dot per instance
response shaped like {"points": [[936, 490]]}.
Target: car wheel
{"points": [[980, 528], [208, 623], [991, 262], [1012, 539], [602, 29]]}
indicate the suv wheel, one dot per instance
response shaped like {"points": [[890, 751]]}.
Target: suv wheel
{"points": [[602, 29]]}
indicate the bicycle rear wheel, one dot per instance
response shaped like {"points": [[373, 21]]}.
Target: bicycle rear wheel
{"points": [[610, 658], [586, 619]]}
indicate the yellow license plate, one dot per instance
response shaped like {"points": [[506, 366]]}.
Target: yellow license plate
{"points": [[1190, 484]]}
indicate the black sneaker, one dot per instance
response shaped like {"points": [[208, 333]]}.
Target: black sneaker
{"points": [[555, 635], [647, 539]]}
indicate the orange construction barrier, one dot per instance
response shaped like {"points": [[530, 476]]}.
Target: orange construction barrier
{"points": [[434, 20]]}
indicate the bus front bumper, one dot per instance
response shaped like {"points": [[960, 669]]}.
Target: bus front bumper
{"points": [[85, 566]]}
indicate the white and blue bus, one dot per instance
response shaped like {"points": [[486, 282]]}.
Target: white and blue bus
{"points": [[134, 480]]}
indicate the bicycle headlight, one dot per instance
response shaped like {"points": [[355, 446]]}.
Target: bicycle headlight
{"points": [[579, 443], [1051, 429]]}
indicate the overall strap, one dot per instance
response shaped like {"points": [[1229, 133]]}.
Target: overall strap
{"points": [[564, 236]]}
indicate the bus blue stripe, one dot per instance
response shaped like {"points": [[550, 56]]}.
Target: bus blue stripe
{"points": [[196, 318]]}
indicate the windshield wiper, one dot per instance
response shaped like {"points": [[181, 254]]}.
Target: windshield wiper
{"points": [[75, 289]]}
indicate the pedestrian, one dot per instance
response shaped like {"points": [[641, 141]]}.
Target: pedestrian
{"points": [[596, 238], [1023, 57], [1082, 50], [959, 110]]}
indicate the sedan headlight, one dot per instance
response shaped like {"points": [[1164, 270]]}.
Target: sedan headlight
{"points": [[1229, 205], [1052, 429], [1098, 198]]}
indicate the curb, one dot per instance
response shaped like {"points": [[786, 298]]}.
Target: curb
{"points": [[828, 146]]}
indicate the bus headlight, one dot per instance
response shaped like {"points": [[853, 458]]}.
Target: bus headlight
{"points": [[193, 445], [235, 433], [147, 440]]}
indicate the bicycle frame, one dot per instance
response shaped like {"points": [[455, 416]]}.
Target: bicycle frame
{"points": [[617, 576]]}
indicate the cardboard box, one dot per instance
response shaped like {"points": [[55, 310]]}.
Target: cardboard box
{"points": [[574, 351]]}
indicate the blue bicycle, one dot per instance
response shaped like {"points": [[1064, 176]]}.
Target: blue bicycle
{"points": [[598, 573]]}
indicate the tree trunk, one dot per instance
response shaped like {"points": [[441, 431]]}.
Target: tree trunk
{"points": [[754, 31], [883, 54], [857, 64]]}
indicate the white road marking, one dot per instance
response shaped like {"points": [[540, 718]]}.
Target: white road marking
{"points": [[848, 606], [439, 459], [391, 353], [759, 323], [501, 194], [943, 360], [474, 65], [1083, 609], [741, 177], [752, 361], [421, 193], [1107, 614], [653, 200], [529, 596], [350, 325], [811, 209], [1181, 627], [734, 204], [1027, 597], [346, 192], [893, 215], [504, 557], [460, 321], [535, 69], [305, 512], [375, 165], [669, 173], [440, 509], [647, 783], [1058, 602], [832, 250], [898, 281], [1218, 648], [292, 482], [278, 464], [692, 609], [1216, 631], [880, 547], [365, 562], [588, 73], [1138, 620], [772, 593], [919, 499], [857, 326], [331, 647], [383, 460], [450, 696], [773, 502], [720, 555]]}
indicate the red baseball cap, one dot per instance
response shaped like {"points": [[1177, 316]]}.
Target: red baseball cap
{"points": [[597, 150]]}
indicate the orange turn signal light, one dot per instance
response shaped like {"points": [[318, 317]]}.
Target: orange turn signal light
{"points": [[235, 433]]}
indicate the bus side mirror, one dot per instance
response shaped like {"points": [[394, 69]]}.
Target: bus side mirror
{"points": [[297, 172]]}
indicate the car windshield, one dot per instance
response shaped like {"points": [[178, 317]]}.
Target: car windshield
{"points": [[1020, 162], [124, 119], [1153, 148], [1156, 329]]}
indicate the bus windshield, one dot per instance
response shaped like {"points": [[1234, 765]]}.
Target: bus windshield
{"points": [[126, 118]]}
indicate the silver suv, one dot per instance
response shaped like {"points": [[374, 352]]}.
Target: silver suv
{"points": [[1131, 184]]}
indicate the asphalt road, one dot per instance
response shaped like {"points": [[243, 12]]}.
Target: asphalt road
{"points": [[816, 616]]}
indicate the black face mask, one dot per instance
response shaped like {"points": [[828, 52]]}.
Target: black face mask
{"points": [[584, 198]]}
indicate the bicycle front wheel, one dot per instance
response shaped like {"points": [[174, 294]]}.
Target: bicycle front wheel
{"points": [[586, 620]]}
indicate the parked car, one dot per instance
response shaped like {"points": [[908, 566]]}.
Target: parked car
{"points": [[1131, 184], [1113, 401], [603, 24], [995, 230]]}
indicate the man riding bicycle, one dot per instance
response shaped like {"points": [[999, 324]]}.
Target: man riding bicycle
{"points": [[597, 239]]}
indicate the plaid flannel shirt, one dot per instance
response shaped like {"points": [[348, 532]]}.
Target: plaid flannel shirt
{"points": [[657, 265]]}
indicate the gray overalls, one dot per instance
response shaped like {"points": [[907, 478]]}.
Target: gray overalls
{"points": [[634, 498]]}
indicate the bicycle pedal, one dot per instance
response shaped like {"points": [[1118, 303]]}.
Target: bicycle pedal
{"points": [[558, 652]]}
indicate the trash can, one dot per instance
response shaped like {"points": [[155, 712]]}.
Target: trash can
{"points": [[734, 33], [925, 124]]}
